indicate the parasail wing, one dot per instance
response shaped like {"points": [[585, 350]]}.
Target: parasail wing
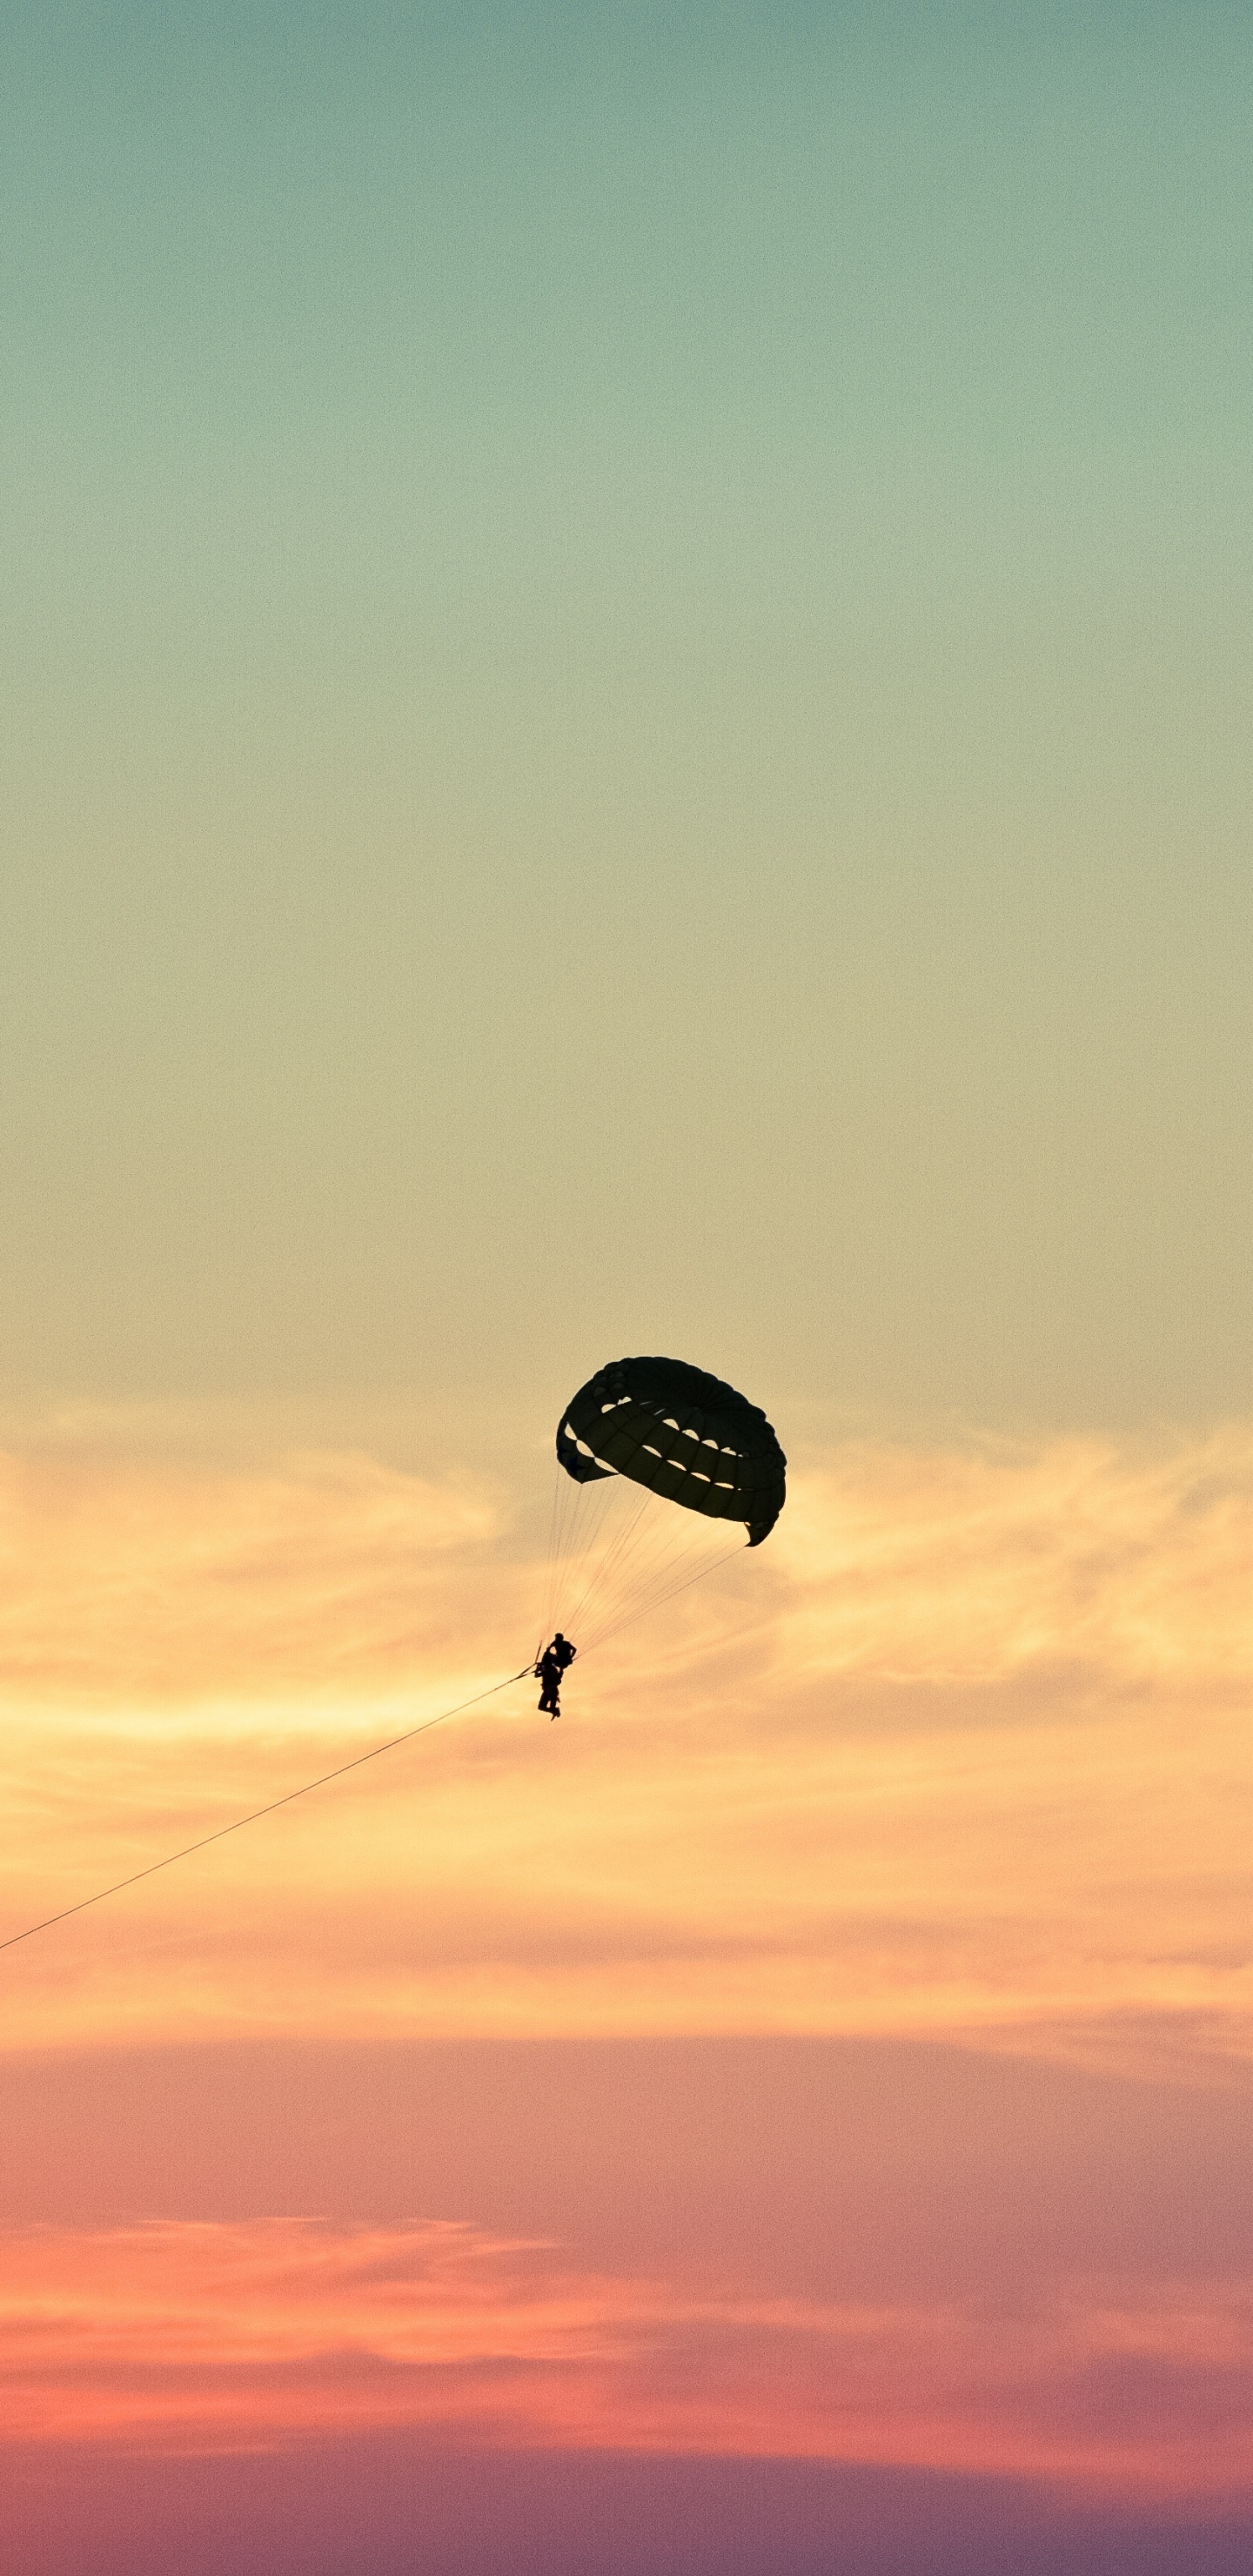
{"points": [[680, 1433]]}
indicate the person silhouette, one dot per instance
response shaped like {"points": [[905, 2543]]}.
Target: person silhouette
{"points": [[551, 1670]]}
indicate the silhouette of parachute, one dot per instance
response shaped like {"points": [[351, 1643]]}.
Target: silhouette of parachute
{"points": [[682, 1434]]}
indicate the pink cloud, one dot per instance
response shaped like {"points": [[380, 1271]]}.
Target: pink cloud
{"points": [[233, 2337]]}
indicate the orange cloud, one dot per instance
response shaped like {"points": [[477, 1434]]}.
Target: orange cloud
{"points": [[965, 1750], [165, 1582], [976, 1565], [204, 2337]]}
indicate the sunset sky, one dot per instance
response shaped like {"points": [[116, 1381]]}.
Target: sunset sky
{"points": [[626, 647]]}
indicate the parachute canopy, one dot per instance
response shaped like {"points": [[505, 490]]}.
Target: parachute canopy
{"points": [[682, 1434]]}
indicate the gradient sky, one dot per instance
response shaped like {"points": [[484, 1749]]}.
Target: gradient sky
{"points": [[626, 655]]}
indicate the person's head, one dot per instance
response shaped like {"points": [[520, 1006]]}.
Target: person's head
{"points": [[559, 1640]]}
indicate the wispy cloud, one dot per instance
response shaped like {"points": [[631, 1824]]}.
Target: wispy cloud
{"points": [[209, 2336], [965, 1749], [974, 1566], [155, 1583]]}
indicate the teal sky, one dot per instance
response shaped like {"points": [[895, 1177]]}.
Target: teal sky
{"points": [[627, 671]]}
